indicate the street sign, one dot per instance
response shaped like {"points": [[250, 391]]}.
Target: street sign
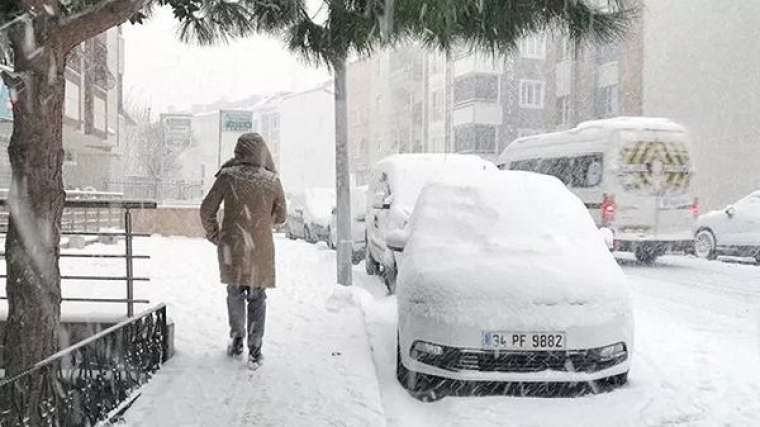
{"points": [[177, 129], [236, 121]]}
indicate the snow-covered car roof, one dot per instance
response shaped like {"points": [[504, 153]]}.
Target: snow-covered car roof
{"points": [[319, 203], [408, 173], [508, 236]]}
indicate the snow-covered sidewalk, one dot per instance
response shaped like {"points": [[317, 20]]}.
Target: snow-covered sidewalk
{"points": [[318, 368]]}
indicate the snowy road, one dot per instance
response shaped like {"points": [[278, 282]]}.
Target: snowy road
{"points": [[695, 363]]}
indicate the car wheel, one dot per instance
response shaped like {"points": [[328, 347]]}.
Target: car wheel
{"points": [[646, 254], [371, 266], [757, 257], [417, 385], [704, 244]]}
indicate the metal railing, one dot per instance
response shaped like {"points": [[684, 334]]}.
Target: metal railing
{"points": [[90, 381], [128, 234], [167, 190], [85, 218]]}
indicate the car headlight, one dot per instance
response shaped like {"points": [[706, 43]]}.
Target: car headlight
{"points": [[611, 352]]}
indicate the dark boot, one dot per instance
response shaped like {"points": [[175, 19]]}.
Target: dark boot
{"points": [[236, 347]]}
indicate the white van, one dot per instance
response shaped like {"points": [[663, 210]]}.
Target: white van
{"points": [[395, 183], [633, 174]]}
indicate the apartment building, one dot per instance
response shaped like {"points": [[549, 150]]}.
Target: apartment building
{"points": [[409, 100], [93, 121]]}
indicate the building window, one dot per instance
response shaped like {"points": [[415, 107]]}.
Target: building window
{"points": [[71, 103], [531, 94], [607, 99], [475, 139], [99, 113], [607, 89], [483, 87], [533, 46]]}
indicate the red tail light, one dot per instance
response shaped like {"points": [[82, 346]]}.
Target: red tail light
{"points": [[609, 208], [694, 209]]}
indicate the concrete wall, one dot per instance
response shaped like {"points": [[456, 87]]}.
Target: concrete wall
{"points": [[169, 221], [702, 69]]}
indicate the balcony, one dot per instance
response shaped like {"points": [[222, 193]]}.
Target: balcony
{"points": [[477, 112], [479, 64]]}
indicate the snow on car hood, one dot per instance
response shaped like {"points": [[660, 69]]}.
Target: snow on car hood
{"points": [[509, 249]]}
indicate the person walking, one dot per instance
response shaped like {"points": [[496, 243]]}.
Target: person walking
{"points": [[254, 203]]}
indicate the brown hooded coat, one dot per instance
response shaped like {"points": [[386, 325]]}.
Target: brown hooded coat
{"points": [[254, 202]]}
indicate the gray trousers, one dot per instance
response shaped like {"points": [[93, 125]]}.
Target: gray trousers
{"points": [[256, 299]]}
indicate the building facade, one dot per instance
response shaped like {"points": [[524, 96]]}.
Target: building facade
{"points": [[409, 100], [695, 62]]}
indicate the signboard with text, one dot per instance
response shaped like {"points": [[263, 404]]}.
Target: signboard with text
{"points": [[177, 130], [236, 121]]}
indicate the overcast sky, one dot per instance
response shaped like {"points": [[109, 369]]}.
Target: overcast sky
{"points": [[161, 72]]}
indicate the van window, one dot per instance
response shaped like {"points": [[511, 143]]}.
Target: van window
{"points": [[582, 171]]}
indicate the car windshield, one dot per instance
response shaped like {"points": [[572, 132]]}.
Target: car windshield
{"points": [[391, 213]]}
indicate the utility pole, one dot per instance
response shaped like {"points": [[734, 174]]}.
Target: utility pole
{"points": [[342, 176]]}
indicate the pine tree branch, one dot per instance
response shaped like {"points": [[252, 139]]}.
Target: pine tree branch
{"points": [[88, 23]]}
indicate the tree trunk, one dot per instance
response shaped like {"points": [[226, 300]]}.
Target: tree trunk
{"points": [[35, 204], [345, 242]]}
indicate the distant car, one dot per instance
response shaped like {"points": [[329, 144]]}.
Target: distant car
{"points": [[492, 289], [358, 228], [309, 214], [395, 183], [733, 231]]}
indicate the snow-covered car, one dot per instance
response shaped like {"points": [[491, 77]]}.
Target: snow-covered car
{"points": [[395, 184], [733, 231], [309, 214], [495, 288], [358, 228]]}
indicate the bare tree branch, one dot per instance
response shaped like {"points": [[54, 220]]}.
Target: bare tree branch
{"points": [[94, 20]]}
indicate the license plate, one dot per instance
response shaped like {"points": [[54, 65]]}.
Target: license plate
{"points": [[677, 202], [504, 340]]}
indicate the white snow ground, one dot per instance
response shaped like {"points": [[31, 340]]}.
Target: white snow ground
{"points": [[696, 361]]}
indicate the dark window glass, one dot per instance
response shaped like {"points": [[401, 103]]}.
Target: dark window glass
{"points": [[475, 139]]}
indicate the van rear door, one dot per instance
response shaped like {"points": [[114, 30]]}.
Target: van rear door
{"points": [[655, 173]]}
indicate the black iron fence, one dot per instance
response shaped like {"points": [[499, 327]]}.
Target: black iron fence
{"points": [[91, 381], [123, 209]]}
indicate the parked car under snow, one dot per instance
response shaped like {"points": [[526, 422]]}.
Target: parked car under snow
{"points": [[733, 231], [309, 214], [492, 290]]}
